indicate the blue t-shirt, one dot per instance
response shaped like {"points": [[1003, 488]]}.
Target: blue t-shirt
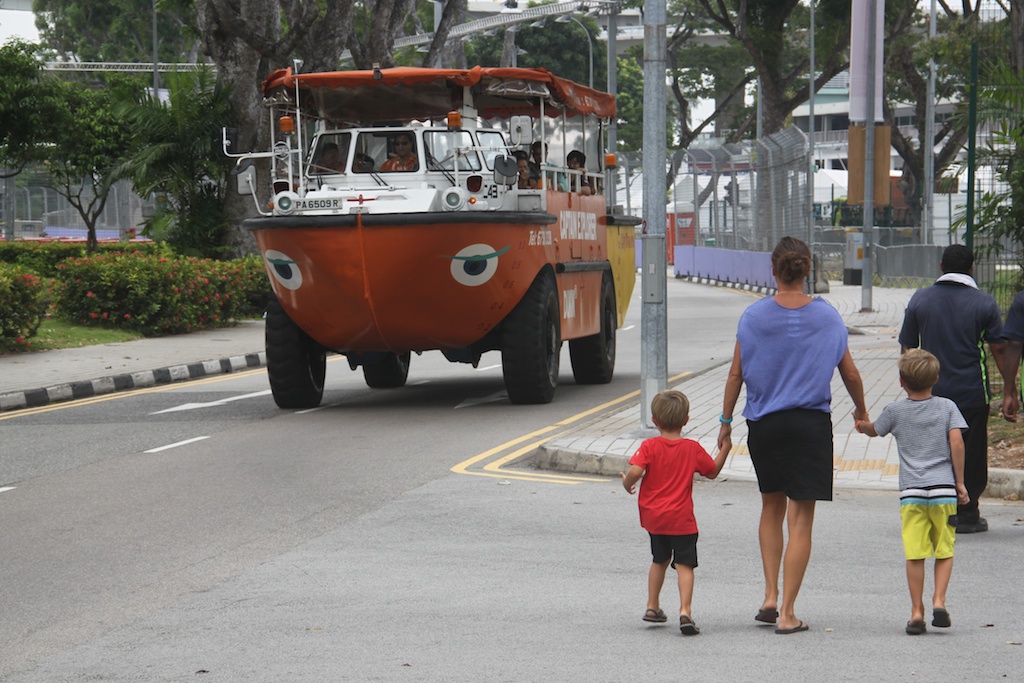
{"points": [[789, 355], [1013, 328], [953, 321]]}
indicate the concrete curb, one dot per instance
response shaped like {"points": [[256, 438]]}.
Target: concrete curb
{"points": [[759, 289], [1002, 483], [1005, 484], [35, 398]]}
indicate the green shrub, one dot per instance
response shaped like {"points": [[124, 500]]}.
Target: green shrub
{"points": [[42, 257], [156, 295], [22, 307]]}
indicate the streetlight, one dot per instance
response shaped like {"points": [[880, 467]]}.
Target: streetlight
{"points": [[590, 43]]}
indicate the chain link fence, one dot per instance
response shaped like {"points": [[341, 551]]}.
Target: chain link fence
{"points": [[999, 260], [31, 208]]}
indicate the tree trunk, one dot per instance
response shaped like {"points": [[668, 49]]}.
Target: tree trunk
{"points": [[244, 68]]}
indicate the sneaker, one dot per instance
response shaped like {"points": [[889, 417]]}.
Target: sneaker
{"points": [[976, 527]]}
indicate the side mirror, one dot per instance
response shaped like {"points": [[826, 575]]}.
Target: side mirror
{"points": [[506, 170], [229, 141], [520, 130], [245, 177]]}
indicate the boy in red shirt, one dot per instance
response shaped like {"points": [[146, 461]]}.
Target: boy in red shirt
{"points": [[667, 464]]}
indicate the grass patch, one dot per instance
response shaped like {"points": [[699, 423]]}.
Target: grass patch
{"points": [[57, 334]]}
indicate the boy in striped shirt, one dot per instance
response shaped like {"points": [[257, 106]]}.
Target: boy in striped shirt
{"points": [[931, 449]]}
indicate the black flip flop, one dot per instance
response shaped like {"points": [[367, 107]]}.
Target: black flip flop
{"points": [[687, 627], [656, 616], [940, 618], [796, 629], [916, 627], [767, 615]]}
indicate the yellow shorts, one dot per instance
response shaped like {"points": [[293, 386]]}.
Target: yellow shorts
{"points": [[927, 530]]}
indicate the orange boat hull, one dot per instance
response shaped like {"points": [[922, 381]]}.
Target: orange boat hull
{"points": [[417, 282]]}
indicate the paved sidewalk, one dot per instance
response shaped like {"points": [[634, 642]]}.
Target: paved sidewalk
{"points": [[604, 446]]}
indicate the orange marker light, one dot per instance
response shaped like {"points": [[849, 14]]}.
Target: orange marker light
{"points": [[454, 120], [286, 124], [610, 161]]}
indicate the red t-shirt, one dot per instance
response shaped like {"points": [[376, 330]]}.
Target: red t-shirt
{"points": [[666, 500]]}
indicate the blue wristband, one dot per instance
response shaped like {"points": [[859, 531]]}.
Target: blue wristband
{"points": [[721, 418]]}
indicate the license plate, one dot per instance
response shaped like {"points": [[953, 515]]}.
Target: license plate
{"points": [[314, 204]]}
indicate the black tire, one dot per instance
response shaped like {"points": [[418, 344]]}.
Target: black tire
{"points": [[593, 357], [296, 364], [531, 343], [389, 371]]}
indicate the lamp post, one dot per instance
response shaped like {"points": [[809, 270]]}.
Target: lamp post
{"points": [[590, 43], [156, 68]]}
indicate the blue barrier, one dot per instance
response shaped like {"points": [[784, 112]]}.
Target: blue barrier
{"points": [[725, 265]]}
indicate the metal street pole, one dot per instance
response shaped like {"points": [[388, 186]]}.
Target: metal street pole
{"points": [[654, 322], [869, 163], [810, 154], [156, 59], [590, 43], [928, 143], [613, 29]]}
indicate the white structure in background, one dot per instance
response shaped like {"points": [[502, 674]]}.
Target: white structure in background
{"points": [[17, 21]]}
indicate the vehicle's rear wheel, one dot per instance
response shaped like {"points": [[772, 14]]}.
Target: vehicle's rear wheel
{"points": [[388, 371], [531, 342], [593, 357], [296, 364]]}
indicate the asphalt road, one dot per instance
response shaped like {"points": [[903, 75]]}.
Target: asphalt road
{"points": [[196, 532]]}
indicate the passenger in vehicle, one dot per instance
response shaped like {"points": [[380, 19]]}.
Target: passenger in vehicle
{"points": [[526, 182], [577, 161], [554, 180], [330, 159], [404, 159], [363, 163]]}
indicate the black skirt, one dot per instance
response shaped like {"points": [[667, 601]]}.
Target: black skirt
{"points": [[792, 453]]}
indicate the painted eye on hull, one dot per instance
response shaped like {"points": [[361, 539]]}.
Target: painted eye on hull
{"points": [[284, 269], [476, 264]]}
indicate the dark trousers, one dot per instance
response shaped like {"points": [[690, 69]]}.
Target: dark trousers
{"points": [[975, 461]]}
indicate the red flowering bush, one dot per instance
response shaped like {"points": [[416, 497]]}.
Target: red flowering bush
{"points": [[22, 307], [158, 295]]}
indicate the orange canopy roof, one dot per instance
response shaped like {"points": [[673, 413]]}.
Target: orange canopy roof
{"points": [[411, 93]]}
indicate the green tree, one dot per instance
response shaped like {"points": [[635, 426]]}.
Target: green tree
{"points": [[177, 156], [906, 80], [117, 30], [548, 47], [774, 35], [703, 66], [999, 213], [85, 152], [31, 106]]}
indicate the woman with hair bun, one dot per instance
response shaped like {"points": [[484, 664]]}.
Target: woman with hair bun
{"points": [[788, 347]]}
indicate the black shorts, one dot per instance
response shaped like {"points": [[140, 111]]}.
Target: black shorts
{"points": [[792, 453], [682, 548]]}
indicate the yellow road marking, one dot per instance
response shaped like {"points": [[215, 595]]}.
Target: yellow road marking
{"points": [[494, 468]]}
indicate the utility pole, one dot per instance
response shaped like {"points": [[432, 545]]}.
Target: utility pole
{"points": [[654, 321]]}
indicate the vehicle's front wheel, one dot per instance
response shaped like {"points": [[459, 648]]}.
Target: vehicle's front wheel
{"points": [[296, 364], [593, 357], [388, 371], [531, 343]]}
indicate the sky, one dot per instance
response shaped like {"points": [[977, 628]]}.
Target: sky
{"points": [[20, 24]]}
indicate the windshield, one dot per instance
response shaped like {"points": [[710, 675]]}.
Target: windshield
{"points": [[330, 153], [441, 147]]}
